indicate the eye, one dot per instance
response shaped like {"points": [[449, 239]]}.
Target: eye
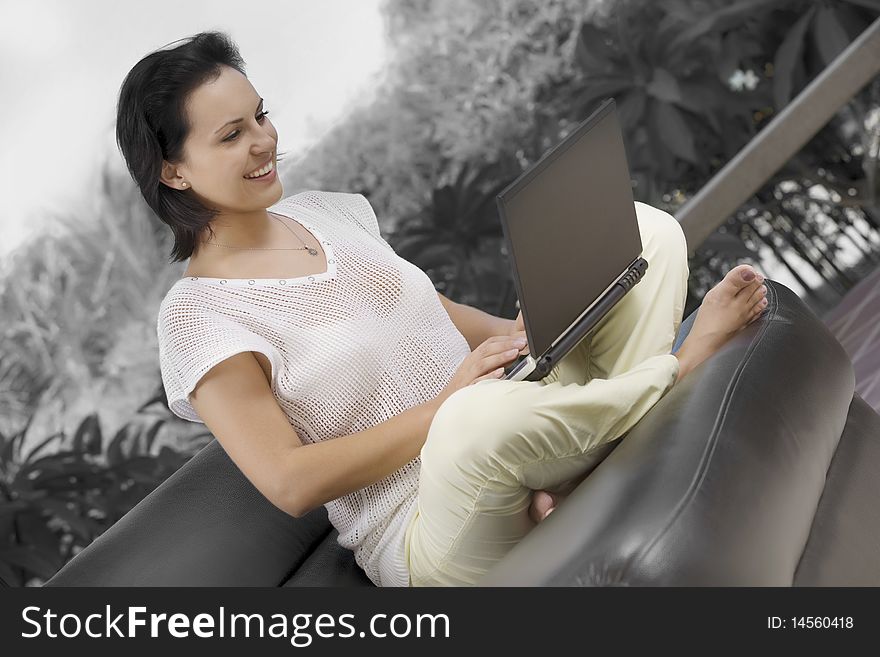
{"points": [[234, 134]]}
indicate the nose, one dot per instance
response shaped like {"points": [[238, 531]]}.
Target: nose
{"points": [[265, 141]]}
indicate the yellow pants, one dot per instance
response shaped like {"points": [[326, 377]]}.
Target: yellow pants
{"points": [[491, 444]]}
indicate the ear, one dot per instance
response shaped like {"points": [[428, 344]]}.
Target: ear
{"points": [[172, 177]]}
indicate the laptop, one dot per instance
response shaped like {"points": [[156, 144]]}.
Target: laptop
{"points": [[571, 231]]}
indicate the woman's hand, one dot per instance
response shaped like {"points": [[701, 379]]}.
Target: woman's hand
{"points": [[487, 361], [518, 330]]}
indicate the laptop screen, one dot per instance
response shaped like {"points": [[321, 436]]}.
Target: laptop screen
{"points": [[570, 226]]}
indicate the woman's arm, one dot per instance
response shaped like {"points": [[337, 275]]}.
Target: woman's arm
{"points": [[327, 470], [475, 325], [324, 471], [238, 406]]}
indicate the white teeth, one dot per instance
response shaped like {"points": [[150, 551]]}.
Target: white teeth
{"points": [[262, 172]]}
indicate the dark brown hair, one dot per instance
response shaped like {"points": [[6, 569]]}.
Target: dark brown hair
{"points": [[152, 126]]}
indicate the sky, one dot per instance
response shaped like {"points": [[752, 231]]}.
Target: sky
{"points": [[62, 63]]}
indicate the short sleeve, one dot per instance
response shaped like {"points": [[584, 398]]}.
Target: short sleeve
{"points": [[192, 340], [358, 207]]}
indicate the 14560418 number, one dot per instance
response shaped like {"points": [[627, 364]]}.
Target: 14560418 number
{"points": [[809, 622]]}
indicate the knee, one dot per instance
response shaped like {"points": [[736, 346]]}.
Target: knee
{"points": [[662, 234], [471, 425]]}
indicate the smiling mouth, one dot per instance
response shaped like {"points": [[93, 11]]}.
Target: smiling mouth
{"points": [[263, 171]]}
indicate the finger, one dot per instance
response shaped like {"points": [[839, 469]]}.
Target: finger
{"points": [[502, 344], [502, 358], [495, 343], [525, 348], [490, 364], [494, 374]]}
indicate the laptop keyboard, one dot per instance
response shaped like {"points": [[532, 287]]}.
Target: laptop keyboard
{"points": [[514, 364]]}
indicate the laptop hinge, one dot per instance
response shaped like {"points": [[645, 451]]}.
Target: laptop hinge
{"points": [[597, 300]]}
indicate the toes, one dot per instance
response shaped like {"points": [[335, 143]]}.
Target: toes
{"points": [[757, 310], [748, 290], [759, 293], [535, 514], [734, 281], [542, 503]]}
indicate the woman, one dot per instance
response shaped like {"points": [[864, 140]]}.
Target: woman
{"points": [[332, 372]]}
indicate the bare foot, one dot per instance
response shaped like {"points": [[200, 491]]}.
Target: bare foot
{"points": [[727, 308], [545, 501], [543, 504]]}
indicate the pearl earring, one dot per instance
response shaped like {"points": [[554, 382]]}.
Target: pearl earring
{"points": [[183, 184]]}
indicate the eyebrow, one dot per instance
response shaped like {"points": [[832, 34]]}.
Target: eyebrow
{"points": [[259, 105]]}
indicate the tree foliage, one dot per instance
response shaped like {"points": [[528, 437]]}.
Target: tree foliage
{"points": [[487, 88]]}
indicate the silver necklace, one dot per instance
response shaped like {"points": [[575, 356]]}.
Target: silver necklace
{"points": [[311, 251]]}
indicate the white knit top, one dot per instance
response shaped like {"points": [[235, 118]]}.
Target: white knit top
{"points": [[349, 348]]}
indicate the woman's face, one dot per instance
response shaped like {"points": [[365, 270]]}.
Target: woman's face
{"points": [[229, 139]]}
